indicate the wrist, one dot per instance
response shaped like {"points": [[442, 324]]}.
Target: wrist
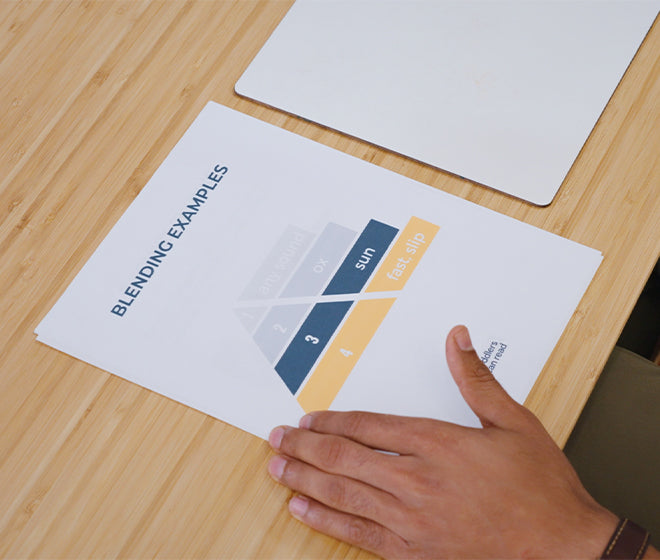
{"points": [[582, 532], [597, 532]]}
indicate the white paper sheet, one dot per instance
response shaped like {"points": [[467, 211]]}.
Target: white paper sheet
{"points": [[502, 92], [247, 252]]}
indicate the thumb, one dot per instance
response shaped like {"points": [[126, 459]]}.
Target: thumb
{"points": [[481, 391]]}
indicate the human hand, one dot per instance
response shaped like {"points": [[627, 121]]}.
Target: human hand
{"points": [[504, 490]]}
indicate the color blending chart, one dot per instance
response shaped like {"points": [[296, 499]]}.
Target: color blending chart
{"points": [[316, 301]]}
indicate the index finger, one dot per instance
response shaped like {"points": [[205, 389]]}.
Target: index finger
{"points": [[386, 432]]}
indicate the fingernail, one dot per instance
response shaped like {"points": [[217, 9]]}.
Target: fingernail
{"points": [[305, 422], [462, 338], [276, 467], [275, 437], [298, 506]]}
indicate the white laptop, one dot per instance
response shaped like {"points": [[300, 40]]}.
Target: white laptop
{"points": [[504, 93]]}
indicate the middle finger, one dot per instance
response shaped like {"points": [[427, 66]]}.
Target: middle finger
{"points": [[337, 455]]}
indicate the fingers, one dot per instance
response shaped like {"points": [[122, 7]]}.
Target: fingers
{"points": [[334, 454], [354, 530], [481, 391], [338, 492], [336, 502], [396, 434]]}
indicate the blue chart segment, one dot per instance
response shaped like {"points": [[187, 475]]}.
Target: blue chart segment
{"points": [[310, 340], [362, 259], [310, 306]]}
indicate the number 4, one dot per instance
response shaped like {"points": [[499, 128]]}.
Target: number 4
{"points": [[345, 352]]}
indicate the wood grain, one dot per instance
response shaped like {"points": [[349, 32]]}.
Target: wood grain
{"points": [[93, 95]]}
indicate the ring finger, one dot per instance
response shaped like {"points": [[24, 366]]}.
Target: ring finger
{"points": [[339, 492]]}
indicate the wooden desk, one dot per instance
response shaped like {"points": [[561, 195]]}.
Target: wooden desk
{"points": [[93, 95]]}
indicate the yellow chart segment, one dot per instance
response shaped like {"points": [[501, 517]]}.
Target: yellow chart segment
{"points": [[335, 366], [404, 256]]}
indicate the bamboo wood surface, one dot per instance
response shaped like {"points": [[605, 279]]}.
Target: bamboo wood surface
{"points": [[93, 95]]}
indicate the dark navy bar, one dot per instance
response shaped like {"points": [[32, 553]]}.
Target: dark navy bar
{"points": [[362, 259], [310, 340]]}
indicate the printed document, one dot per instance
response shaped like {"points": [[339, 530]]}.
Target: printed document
{"points": [[260, 275]]}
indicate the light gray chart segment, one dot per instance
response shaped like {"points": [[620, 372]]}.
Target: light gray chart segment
{"points": [[279, 264], [321, 261], [250, 316], [278, 327]]}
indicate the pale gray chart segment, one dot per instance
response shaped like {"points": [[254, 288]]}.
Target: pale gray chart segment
{"points": [[321, 261], [278, 327], [250, 316], [279, 264]]}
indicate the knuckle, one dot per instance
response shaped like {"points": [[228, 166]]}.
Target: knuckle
{"points": [[483, 380], [353, 423], [434, 440], [353, 501], [480, 371], [332, 453], [342, 495], [423, 484], [337, 495], [366, 534]]}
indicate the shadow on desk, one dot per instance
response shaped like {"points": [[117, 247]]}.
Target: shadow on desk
{"points": [[615, 446]]}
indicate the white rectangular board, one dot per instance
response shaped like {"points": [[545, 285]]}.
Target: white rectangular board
{"points": [[504, 93], [259, 273]]}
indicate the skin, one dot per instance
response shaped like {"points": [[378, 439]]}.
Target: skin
{"points": [[504, 490]]}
